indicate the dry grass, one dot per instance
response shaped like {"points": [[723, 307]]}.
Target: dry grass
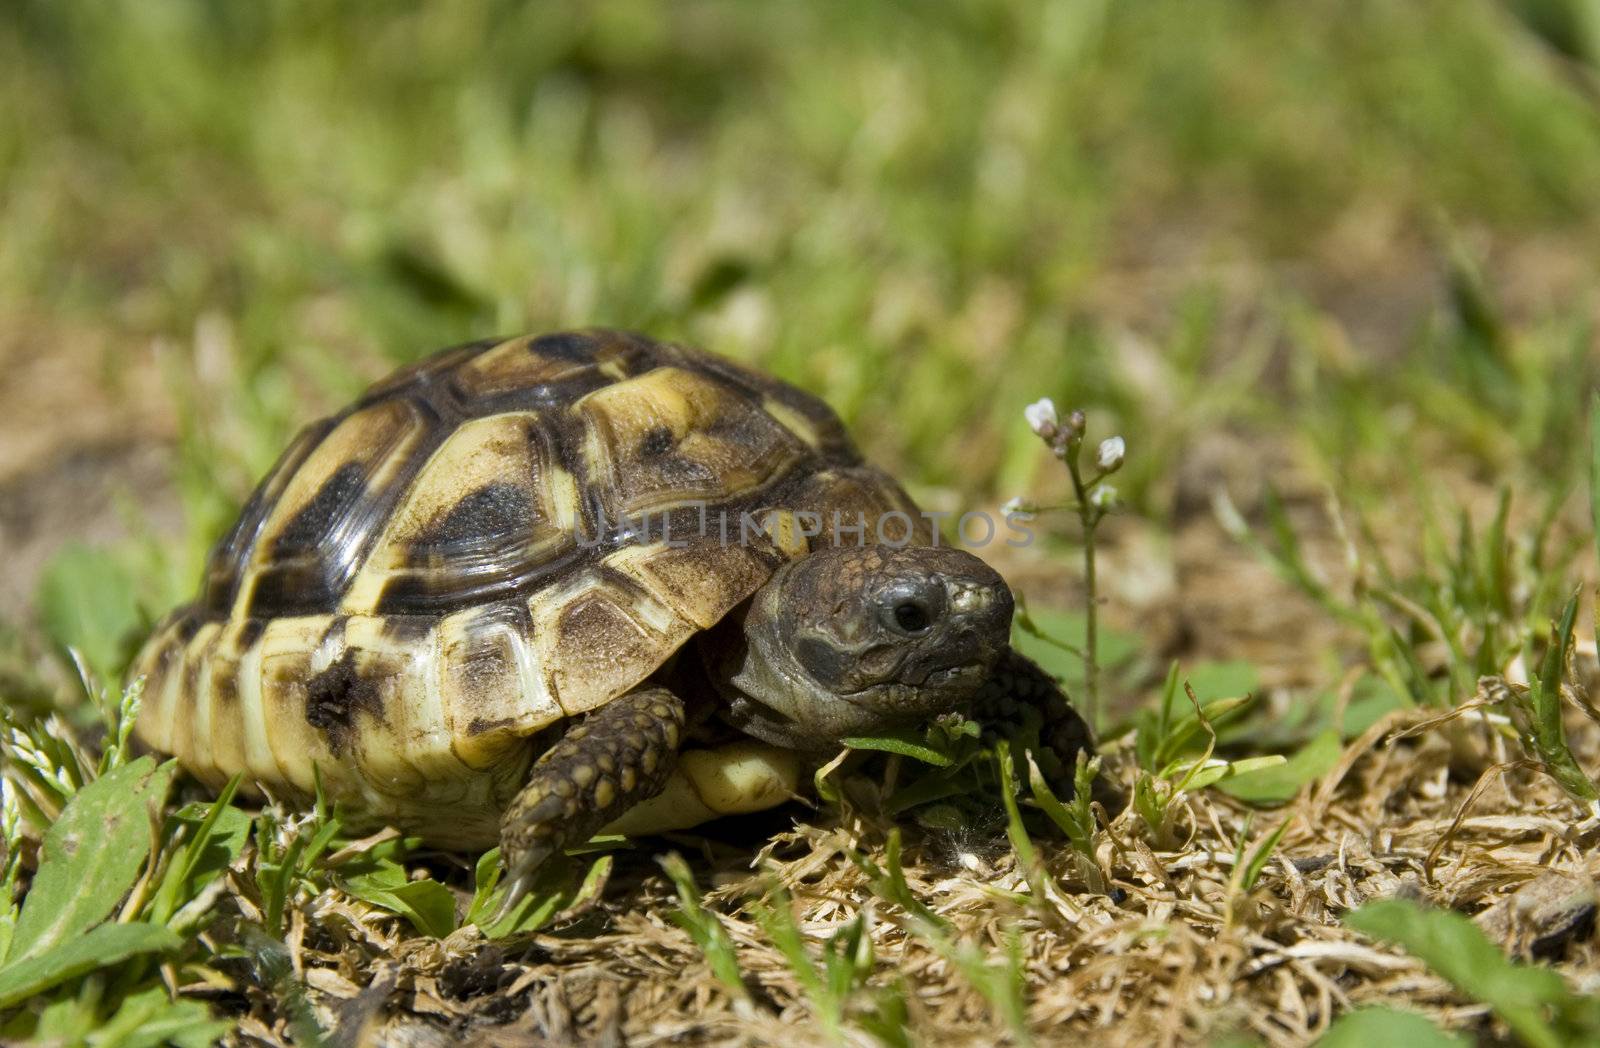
{"points": [[1178, 953]]}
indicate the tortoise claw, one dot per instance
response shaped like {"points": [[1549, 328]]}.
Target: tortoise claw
{"points": [[517, 889]]}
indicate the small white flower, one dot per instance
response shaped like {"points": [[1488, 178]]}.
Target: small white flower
{"points": [[1103, 497], [1112, 450], [1041, 416], [1016, 509]]}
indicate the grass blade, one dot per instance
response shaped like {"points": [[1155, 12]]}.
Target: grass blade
{"points": [[205, 855], [1258, 858], [1458, 950], [705, 928], [903, 743], [1549, 738], [100, 947], [1368, 1026]]}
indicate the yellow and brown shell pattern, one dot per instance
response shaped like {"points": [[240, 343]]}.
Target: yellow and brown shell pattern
{"points": [[433, 575]]}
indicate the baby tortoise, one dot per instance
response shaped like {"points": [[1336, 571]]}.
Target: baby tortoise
{"points": [[529, 588]]}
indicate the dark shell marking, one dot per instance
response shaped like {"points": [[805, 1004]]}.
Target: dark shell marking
{"points": [[422, 584], [336, 695]]}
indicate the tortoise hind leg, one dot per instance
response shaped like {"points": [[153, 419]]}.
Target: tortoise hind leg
{"points": [[617, 756]]}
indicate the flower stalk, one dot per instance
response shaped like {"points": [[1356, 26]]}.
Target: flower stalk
{"points": [[1093, 499]]}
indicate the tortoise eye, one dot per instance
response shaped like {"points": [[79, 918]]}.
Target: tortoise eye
{"points": [[911, 617], [910, 606]]}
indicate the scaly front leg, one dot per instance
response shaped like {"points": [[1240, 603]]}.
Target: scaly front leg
{"points": [[615, 757]]}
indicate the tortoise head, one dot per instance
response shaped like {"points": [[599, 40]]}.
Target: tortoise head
{"points": [[859, 640]]}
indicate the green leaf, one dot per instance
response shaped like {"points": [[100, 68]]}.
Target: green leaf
{"points": [[1380, 1026], [1214, 772], [1189, 728], [427, 904], [1076, 820], [214, 836], [563, 883], [100, 947], [150, 1020], [1151, 800], [1498, 584], [1458, 950], [1555, 657], [1220, 680], [889, 881], [485, 875], [1021, 843], [62, 1019], [1549, 740], [92, 855], [1155, 727], [906, 743], [1055, 640], [827, 989], [848, 957], [1003, 986], [930, 788], [87, 601], [1258, 858], [278, 868], [1279, 784]]}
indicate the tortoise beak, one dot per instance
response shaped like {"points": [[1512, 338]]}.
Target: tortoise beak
{"points": [[983, 606]]}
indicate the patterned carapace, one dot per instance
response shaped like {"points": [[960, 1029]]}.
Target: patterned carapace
{"points": [[429, 578]]}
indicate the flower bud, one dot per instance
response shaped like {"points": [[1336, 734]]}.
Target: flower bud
{"points": [[1110, 455], [1103, 497], [1076, 424], [1018, 509], [1041, 416]]}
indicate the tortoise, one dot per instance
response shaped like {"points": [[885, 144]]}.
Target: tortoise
{"points": [[494, 598]]}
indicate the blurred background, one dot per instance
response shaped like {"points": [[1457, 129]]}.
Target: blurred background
{"points": [[1345, 246]]}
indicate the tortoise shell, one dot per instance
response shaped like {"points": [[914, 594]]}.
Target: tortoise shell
{"points": [[503, 535]]}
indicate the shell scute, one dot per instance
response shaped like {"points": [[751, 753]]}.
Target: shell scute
{"points": [[598, 634], [418, 377], [672, 437], [489, 683], [490, 507], [514, 366], [698, 581], [314, 535], [225, 565]]}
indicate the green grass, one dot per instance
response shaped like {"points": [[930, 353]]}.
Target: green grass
{"points": [[1344, 247], [824, 189], [1534, 1002]]}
